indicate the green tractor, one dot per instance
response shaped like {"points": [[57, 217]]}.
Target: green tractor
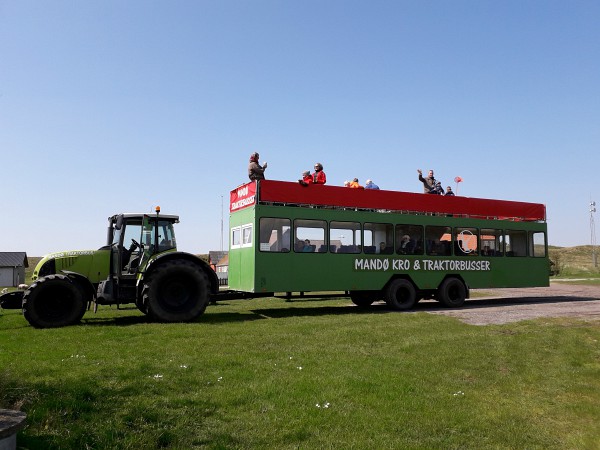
{"points": [[139, 264]]}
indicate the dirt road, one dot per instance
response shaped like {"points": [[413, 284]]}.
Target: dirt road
{"points": [[513, 305]]}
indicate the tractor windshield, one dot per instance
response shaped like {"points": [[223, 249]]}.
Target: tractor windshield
{"points": [[163, 234]]}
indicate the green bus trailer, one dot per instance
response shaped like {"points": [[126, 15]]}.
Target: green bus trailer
{"points": [[381, 245]]}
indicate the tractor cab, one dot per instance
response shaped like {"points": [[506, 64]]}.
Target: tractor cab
{"points": [[134, 238]]}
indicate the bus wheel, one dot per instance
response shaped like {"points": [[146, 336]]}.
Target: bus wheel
{"points": [[400, 294], [362, 299], [452, 293]]}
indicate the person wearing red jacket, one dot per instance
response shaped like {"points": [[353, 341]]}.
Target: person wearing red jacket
{"points": [[306, 178], [319, 176]]}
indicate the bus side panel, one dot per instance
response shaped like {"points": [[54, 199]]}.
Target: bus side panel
{"points": [[242, 254], [280, 272], [295, 271], [241, 270]]}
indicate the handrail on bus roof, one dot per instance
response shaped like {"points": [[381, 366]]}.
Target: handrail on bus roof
{"points": [[288, 193]]}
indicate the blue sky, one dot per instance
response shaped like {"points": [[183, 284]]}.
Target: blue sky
{"points": [[118, 106]]}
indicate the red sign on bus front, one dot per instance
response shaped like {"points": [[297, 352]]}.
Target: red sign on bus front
{"points": [[242, 197]]}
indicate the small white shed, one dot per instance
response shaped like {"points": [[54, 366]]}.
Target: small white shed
{"points": [[12, 268]]}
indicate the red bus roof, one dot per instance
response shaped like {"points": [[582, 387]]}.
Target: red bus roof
{"points": [[322, 195]]}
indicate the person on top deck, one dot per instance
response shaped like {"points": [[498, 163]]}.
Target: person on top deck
{"points": [[354, 184], [428, 183], [449, 191], [255, 170], [437, 189], [306, 178], [318, 175], [370, 185]]}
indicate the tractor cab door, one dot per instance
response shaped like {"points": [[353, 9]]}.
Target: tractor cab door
{"points": [[125, 247], [157, 237], [147, 240]]}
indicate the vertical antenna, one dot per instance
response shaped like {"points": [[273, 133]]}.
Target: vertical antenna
{"points": [[593, 233], [221, 223]]}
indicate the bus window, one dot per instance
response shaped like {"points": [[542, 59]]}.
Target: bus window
{"points": [[247, 235], [409, 239], [438, 240], [378, 238], [537, 242], [347, 234], [274, 235], [236, 237], [491, 242], [312, 231], [515, 243], [465, 242]]}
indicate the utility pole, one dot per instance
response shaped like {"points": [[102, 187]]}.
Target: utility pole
{"points": [[221, 223], [593, 233]]}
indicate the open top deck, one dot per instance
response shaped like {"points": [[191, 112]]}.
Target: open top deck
{"points": [[288, 193]]}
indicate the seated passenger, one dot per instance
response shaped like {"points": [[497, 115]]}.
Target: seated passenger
{"points": [[384, 249], [487, 251], [407, 245], [307, 247]]}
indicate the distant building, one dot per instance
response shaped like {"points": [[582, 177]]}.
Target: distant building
{"points": [[222, 270], [12, 268], [219, 261]]}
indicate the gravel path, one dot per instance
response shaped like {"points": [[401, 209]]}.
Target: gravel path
{"points": [[513, 305]]}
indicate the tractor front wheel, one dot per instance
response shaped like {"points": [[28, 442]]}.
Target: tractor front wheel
{"points": [[177, 291], [53, 301]]}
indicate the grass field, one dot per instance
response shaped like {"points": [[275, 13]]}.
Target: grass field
{"points": [[575, 261], [307, 374]]}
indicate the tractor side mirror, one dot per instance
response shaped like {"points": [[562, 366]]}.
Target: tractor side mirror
{"points": [[119, 223]]}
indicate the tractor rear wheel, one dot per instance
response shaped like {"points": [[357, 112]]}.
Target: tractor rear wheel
{"points": [[177, 291], [53, 301]]}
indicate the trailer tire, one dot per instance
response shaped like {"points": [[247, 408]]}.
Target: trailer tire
{"points": [[362, 299], [54, 301], [176, 291], [400, 294], [452, 293]]}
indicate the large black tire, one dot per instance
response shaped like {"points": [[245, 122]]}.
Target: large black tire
{"points": [[363, 299], [452, 293], [53, 301], [400, 294], [177, 291]]}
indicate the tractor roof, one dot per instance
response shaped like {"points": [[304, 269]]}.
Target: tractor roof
{"points": [[168, 217]]}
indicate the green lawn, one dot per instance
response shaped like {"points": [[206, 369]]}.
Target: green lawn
{"points": [[306, 374]]}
